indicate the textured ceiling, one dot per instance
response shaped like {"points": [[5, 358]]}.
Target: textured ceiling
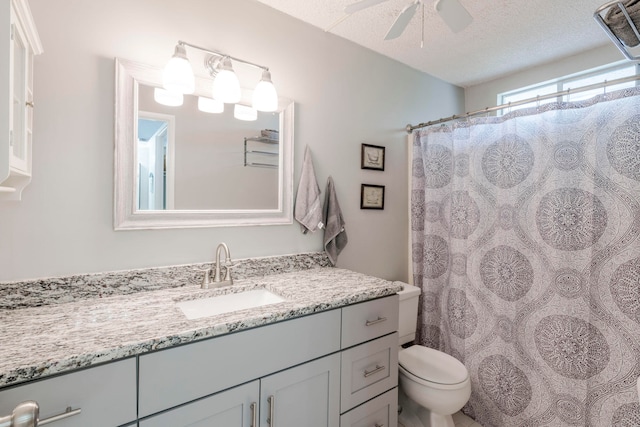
{"points": [[505, 36]]}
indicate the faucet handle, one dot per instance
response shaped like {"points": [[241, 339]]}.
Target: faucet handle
{"points": [[228, 265], [206, 279]]}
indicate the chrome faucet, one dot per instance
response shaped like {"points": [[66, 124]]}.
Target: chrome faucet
{"points": [[218, 279]]}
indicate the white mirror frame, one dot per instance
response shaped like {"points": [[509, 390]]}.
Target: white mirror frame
{"points": [[128, 75]]}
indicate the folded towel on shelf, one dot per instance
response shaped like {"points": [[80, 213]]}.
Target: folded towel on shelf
{"points": [[335, 236], [619, 25], [308, 208]]}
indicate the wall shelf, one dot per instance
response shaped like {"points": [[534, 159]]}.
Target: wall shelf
{"points": [[257, 155]]}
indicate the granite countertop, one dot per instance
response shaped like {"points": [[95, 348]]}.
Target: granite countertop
{"points": [[45, 340]]}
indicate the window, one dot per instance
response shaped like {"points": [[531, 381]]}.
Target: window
{"points": [[572, 82]]}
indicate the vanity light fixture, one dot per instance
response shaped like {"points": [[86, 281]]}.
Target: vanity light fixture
{"points": [[165, 97], [178, 77], [242, 112], [208, 105], [226, 86], [265, 97]]}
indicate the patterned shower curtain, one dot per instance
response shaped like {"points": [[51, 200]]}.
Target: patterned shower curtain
{"points": [[525, 241]]}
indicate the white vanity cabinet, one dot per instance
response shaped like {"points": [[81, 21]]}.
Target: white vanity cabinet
{"points": [[19, 43], [329, 369], [105, 395]]}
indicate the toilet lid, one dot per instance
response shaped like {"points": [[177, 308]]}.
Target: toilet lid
{"points": [[432, 365]]}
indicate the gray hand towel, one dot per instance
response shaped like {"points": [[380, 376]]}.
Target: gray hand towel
{"points": [[335, 236], [308, 210]]}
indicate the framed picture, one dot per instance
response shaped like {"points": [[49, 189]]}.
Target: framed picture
{"points": [[372, 196], [372, 157]]}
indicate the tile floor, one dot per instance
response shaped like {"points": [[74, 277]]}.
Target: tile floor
{"points": [[460, 420]]}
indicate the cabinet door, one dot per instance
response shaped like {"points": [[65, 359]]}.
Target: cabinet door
{"points": [[237, 407], [20, 96], [307, 395]]}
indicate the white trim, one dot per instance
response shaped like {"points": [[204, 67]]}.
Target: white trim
{"points": [[171, 152], [409, 186], [26, 20]]}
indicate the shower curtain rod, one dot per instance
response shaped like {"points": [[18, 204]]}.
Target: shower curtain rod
{"points": [[410, 128]]}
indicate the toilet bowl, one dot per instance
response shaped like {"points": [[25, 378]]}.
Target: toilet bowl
{"points": [[433, 384]]}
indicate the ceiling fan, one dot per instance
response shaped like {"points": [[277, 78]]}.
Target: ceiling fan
{"points": [[452, 13]]}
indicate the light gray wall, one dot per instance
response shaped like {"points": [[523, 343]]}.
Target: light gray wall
{"points": [[345, 95], [485, 95]]}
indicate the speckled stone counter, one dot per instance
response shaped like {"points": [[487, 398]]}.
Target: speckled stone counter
{"points": [[60, 290], [44, 340]]}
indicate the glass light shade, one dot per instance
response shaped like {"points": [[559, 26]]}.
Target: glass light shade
{"points": [[170, 99], [242, 112], [209, 105], [265, 97], [177, 75], [226, 86]]}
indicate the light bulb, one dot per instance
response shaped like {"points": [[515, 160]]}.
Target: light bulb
{"points": [[226, 86], [265, 97], [170, 99], [242, 112], [208, 105], [177, 75]]}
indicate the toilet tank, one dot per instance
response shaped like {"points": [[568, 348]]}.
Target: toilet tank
{"points": [[408, 313]]}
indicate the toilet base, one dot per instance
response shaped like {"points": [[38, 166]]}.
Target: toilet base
{"points": [[414, 415]]}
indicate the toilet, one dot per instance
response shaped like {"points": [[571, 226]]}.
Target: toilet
{"points": [[433, 384]]}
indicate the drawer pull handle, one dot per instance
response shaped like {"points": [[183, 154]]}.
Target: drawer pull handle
{"points": [[271, 419], [254, 414], [66, 414], [27, 414], [374, 322], [373, 372]]}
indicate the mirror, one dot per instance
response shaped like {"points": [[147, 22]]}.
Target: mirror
{"points": [[181, 167]]}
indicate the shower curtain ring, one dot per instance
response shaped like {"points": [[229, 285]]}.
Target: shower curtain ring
{"points": [[538, 102], [605, 88]]}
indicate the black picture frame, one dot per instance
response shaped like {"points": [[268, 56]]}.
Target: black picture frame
{"points": [[372, 157], [371, 196]]}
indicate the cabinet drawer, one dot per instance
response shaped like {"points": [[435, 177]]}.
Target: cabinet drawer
{"points": [[368, 370], [368, 320], [170, 377], [379, 412], [106, 395]]}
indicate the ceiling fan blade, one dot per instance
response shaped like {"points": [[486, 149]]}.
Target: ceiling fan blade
{"points": [[453, 14], [362, 4], [402, 21]]}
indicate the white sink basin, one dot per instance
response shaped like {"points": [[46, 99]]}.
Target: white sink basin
{"points": [[205, 307]]}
